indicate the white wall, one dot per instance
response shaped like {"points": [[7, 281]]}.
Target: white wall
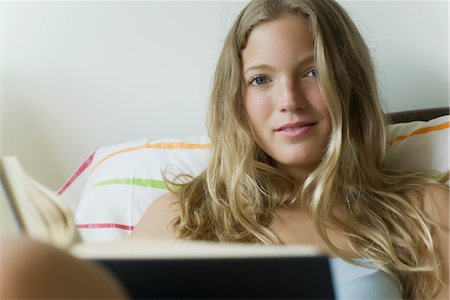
{"points": [[78, 75], [409, 42]]}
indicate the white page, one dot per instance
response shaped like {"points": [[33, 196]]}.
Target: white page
{"points": [[9, 222], [134, 248]]}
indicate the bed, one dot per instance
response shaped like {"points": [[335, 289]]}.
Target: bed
{"points": [[110, 191], [116, 183]]}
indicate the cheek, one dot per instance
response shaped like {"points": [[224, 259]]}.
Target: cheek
{"points": [[258, 108], [311, 91], [315, 98]]}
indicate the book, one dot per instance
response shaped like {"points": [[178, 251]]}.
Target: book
{"points": [[33, 210], [162, 269]]}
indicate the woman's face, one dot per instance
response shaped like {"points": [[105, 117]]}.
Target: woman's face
{"points": [[290, 119]]}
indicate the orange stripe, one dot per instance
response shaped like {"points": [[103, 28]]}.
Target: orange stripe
{"points": [[167, 146], [420, 131]]}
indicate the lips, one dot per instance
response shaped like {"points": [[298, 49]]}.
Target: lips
{"points": [[295, 129]]}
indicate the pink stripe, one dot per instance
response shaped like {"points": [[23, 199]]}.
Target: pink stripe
{"points": [[105, 225], [77, 174]]}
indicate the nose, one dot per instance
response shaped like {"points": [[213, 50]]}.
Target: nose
{"points": [[290, 97]]}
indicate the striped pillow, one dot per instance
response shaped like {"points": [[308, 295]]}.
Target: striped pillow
{"points": [[122, 180], [419, 145]]}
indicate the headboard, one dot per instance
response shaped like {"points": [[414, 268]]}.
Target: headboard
{"points": [[417, 115]]}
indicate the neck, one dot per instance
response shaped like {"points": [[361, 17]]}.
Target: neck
{"points": [[298, 173]]}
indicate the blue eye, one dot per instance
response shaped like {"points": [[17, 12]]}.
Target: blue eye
{"points": [[258, 80], [312, 73]]}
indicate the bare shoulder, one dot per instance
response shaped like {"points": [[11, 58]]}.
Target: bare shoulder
{"points": [[157, 220], [436, 204]]}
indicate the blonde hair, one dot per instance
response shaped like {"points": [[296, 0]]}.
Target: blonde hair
{"points": [[234, 199]]}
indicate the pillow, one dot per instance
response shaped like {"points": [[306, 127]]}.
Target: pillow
{"points": [[419, 145], [122, 180]]}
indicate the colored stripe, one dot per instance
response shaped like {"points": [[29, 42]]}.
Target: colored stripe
{"points": [[441, 177], [421, 131], [166, 146], [159, 184], [77, 174], [105, 225]]}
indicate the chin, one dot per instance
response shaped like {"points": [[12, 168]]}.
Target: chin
{"points": [[296, 162]]}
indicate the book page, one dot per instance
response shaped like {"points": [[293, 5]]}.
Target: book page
{"points": [[39, 211], [54, 213], [9, 222], [26, 215], [135, 248]]}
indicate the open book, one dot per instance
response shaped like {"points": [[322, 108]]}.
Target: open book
{"points": [[165, 269], [29, 208]]}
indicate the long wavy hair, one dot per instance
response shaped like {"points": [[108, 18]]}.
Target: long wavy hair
{"points": [[380, 210]]}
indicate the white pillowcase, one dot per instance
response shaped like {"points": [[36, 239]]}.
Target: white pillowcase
{"points": [[120, 181], [419, 145], [124, 179]]}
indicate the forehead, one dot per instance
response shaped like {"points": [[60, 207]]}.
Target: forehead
{"points": [[286, 36]]}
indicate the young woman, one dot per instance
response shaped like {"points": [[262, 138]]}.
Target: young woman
{"points": [[298, 142]]}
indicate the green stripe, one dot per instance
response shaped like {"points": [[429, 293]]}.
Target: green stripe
{"points": [[439, 176], [158, 184]]}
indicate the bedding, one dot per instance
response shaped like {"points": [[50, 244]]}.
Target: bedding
{"points": [[120, 181]]}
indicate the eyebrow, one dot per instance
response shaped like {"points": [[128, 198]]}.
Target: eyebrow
{"points": [[306, 60], [258, 67]]}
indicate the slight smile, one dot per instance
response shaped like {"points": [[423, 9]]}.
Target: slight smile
{"points": [[295, 129]]}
